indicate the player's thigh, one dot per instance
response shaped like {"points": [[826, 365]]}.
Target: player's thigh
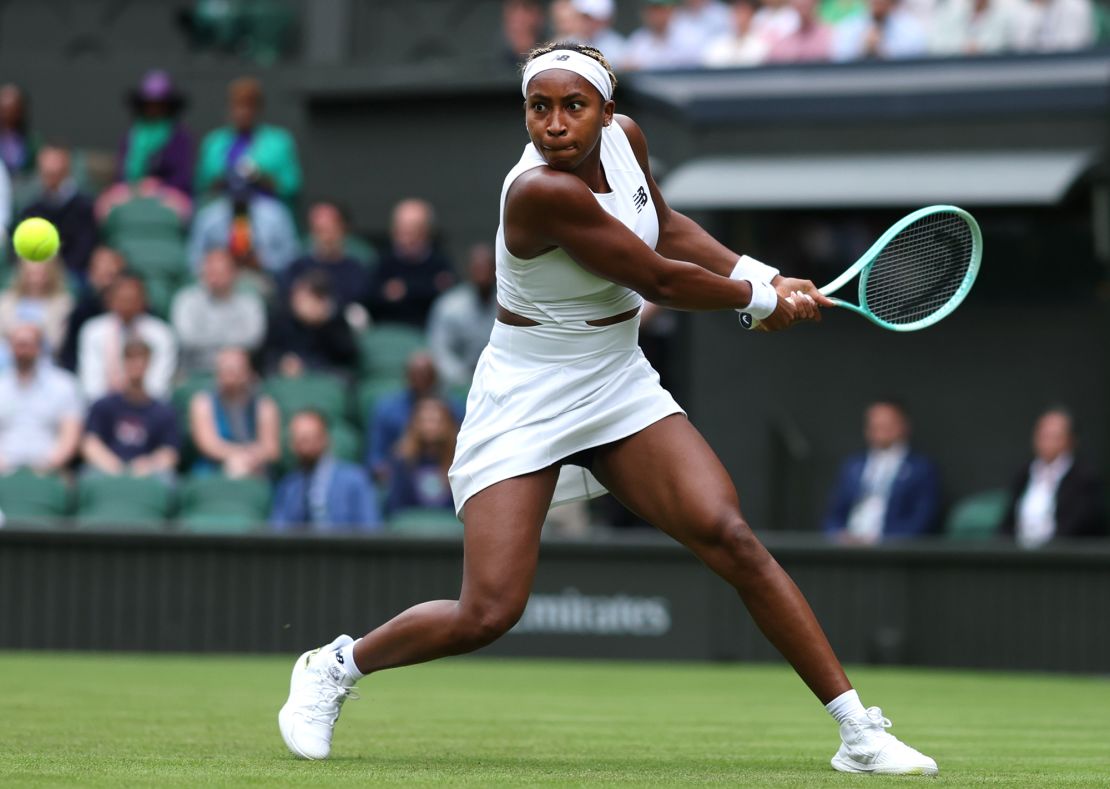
{"points": [[501, 542], [669, 476]]}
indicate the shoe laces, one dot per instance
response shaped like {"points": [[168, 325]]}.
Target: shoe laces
{"points": [[328, 698], [875, 717]]}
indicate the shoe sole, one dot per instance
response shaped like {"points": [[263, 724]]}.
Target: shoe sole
{"points": [[849, 766]]}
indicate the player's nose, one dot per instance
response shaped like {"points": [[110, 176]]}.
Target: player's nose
{"points": [[555, 125]]}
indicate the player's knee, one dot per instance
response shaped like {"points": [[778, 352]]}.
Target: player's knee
{"points": [[483, 624], [734, 539]]}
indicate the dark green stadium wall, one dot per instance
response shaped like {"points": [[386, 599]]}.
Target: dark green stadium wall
{"points": [[982, 606]]}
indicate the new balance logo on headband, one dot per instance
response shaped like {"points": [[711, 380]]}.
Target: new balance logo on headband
{"points": [[562, 57], [640, 199]]}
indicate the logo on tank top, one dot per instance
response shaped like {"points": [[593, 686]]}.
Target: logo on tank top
{"points": [[640, 199]]}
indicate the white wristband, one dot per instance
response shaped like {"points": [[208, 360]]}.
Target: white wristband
{"points": [[764, 301], [751, 269]]}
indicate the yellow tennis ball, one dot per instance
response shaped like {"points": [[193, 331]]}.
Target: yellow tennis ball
{"points": [[36, 239]]}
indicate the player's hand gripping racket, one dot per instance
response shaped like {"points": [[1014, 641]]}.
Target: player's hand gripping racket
{"points": [[918, 271]]}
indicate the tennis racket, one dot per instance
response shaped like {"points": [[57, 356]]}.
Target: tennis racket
{"points": [[919, 270]]}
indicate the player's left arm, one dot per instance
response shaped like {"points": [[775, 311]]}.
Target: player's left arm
{"points": [[681, 238]]}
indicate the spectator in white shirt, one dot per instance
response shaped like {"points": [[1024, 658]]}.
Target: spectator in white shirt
{"points": [[462, 319], [776, 19], [41, 412], [659, 44], [975, 27], [744, 44], [595, 23], [566, 22], [889, 32], [1054, 496], [702, 20], [100, 344], [1055, 25], [213, 314]]}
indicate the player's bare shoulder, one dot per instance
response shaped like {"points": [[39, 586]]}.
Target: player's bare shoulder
{"points": [[542, 188], [635, 137]]}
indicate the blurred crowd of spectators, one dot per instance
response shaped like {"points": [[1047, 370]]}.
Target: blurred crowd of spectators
{"points": [[188, 324], [679, 34], [198, 322]]}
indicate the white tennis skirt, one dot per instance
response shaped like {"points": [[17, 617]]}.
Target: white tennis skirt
{"points": [[543, 393]]}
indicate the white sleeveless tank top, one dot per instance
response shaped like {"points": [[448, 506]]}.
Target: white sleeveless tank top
{"points": [[552, 288]]}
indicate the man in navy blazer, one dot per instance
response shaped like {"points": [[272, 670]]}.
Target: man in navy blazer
{"points": [[888, 491], [324, 493]]}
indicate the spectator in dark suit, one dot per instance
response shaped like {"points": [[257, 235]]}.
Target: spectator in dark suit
{"points": [[888, 491], [309, 332], [323, 494], [71, 211], [412, 273], [1055, 496]]}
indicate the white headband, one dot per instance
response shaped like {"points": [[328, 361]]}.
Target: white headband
{"points": [[569, 60]]}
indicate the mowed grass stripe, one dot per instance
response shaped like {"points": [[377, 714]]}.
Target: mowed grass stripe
{"points": [[143, 720]]}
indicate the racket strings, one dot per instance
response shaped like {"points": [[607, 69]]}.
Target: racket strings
{"points": [[920, 270]]}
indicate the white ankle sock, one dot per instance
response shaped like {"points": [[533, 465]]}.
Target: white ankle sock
{"points": [[846, 706], [345, 657]]}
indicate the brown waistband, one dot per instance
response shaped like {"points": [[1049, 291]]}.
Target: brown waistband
{"points": [[512, 319]]}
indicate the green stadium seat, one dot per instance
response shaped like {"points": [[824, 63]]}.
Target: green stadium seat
{"points": [[425, 522], [26, 495], [320, 392], [122, 502], [346, 442], [361, 250], [159, 295], [384, 349], [184, 391], [142, 218], [977, 517], [216, 504], [369, 392], [159, 258]]}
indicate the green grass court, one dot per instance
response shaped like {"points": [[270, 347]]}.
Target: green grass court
{"points": [[111, 720]]}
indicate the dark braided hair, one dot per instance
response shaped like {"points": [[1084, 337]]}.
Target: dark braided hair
{"points": [[573, 46]]}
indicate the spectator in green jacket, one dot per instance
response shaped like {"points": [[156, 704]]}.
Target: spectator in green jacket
{"points": [[264, 155]]}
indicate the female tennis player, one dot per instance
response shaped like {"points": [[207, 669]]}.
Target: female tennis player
{"points": [[565, 406]]}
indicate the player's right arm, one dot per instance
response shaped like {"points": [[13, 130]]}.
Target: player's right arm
{"points": [[545, 209]]}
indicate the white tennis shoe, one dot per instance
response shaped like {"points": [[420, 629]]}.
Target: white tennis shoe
{"points": [[317, 690], [867, 747]]}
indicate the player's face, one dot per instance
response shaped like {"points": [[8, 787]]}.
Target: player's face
{"points": [[564, 114]]}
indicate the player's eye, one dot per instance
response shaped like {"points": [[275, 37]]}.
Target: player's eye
{"points": [[538, 107], [575, 105]]}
